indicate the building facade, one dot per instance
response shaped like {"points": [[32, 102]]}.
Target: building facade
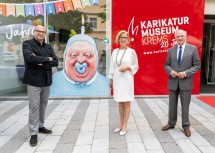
{"points": [[11, 63], [208, 49]]}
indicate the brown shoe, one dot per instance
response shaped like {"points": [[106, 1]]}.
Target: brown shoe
{"points": [[167, 127], [45, 131], [187, 132]]}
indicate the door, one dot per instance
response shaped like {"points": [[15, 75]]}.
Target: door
{"points": [[211, 57]]}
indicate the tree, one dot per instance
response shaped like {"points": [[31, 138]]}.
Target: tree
{"points": [[69, 20], [102, 15]]}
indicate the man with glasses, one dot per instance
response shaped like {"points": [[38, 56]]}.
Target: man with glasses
{"points": [[181, 64], [39, 59]]}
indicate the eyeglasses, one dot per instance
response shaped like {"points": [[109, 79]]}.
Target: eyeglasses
{"points": [[182, 36], [43, 32], [123, 37]]}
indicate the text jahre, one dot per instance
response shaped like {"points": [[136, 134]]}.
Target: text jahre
{"points": [[19, 32]]}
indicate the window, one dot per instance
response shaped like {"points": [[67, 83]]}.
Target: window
{"points": [[93, 21], [18, 27]]}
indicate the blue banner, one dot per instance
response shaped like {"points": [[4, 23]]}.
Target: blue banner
{"points": [[29, 10], [50, 8]]}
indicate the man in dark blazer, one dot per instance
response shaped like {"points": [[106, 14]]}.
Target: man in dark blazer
{"points": [[39, 59], [181, 64]]}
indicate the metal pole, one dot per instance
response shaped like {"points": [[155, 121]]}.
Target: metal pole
{"points": [[45, 22]]}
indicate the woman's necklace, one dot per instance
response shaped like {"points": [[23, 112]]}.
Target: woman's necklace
{"points": [[120, 61]]}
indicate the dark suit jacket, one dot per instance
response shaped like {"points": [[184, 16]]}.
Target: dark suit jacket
{"points": [[36, 75], [190, 64]]}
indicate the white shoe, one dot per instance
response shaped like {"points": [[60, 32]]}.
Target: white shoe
{"points": [[121, 133], [117, 130]]}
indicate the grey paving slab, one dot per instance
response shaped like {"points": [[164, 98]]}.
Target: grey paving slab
{"points": [[12, 111], [202, 129], [118, 151], [203, 105], [199, 126], [12, 145], [69, 137], [117, 143], [87, 127], [23, 134], [156, 126], [211, 139], [64, 148], [170, 147], [75, 125], [196, 141]]}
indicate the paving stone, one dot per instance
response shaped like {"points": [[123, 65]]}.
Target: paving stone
{"points": [[20, 138], [136, 147], [211, 139], [117, 142], [164, 136], [49, 143], [86, 126], [151, 142], [82, 149], [187, 146], [133, 137], [12, 111], [171, 147], [118, 151], [69, 136], [100, 145], [155, 151], [207, 149], [64, 148], [14, 145], [101, 132], [156, 125], [75, 124]]}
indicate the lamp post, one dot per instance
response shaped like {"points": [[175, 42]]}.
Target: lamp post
{"points": [[82, 26], [45, 21]]}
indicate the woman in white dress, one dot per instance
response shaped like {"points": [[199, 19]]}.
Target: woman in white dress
{"points": [[123, 65]]}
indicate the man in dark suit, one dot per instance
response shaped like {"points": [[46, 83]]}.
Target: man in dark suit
{"points": [[181, 64], [39, 59]]}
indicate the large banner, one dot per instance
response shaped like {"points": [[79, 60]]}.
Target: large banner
{"points": [[151, 26]]}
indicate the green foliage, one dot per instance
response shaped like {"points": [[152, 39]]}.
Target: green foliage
{"points": [[102, 15], [69, 20]]}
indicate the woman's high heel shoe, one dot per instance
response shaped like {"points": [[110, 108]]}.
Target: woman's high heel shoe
{"points": [[121, 133], [117, 130]]}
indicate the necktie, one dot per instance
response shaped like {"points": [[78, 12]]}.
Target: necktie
{"points": [[179, 55]]}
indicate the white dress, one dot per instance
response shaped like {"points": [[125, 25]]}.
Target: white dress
{"points": [[123, 82]]}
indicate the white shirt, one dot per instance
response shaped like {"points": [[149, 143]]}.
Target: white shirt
{"points": [[182, 49]]}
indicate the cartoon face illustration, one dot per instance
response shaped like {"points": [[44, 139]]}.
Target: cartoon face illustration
{"points": [[80, 61]]}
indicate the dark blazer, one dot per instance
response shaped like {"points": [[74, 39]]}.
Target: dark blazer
{"points": [[35, 54], [190, 64]]}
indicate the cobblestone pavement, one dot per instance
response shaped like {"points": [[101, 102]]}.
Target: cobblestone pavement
{"points": [[86, 126]]}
